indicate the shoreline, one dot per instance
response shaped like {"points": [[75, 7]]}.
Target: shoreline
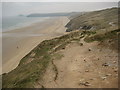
{"points": [[24, 23], [16, 46]]}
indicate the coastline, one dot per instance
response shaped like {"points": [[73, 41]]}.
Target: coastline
{"points": [[16, 46]]}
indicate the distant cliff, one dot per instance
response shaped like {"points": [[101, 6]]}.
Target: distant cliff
{"points": [[48, 14], [52, 14], [95, 20]]}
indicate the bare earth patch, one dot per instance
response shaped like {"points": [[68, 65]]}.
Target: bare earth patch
{"points": [[86, 66]]}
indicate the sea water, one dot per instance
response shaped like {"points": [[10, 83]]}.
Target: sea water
{"points": [[15, 22]]}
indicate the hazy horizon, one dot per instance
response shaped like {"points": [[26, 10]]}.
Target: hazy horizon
{"points": [[25, 8]]}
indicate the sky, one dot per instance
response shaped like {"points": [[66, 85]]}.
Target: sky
{"points": [[59, 0], [25, 8]]}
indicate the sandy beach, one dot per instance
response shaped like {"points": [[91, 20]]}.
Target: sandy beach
{"points": [[18, 43]]}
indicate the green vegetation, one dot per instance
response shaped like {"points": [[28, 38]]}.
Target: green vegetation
{"points": [[102, 37], [29, 72], [26, 75], [95, 20], [32, 67]]}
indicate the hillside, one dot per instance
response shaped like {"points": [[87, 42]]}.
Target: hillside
{"points": [[79, 59], [95, 20]]}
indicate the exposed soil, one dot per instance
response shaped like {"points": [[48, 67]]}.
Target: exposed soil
{"points": [[87, 66]]}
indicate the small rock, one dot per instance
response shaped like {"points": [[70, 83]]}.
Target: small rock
{"points": [[103, 78], [85, 83], [91, 79], [86, 70], [84, 60], [109, 41], [98, 59], [99, 72], [81, 44], [108, 74], [105, 64], [63, 48], [17, 47], [114, 61], [115, 70], [89, 49]]}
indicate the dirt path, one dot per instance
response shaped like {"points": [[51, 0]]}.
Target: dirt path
{"points": [[87, 66]]}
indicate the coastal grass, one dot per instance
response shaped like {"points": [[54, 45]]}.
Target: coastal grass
{"points": [[94, 20], [32, 67], [103, 36], [26, 75]]}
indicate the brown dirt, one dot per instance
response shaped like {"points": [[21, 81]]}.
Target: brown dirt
{"points": [[83, 68]]}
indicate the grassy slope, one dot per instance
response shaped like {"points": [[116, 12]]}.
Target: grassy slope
{"points": [[97, 19], [27, 74], [33, 65]]}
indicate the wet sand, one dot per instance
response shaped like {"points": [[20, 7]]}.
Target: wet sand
{"points": [[18, 43]]}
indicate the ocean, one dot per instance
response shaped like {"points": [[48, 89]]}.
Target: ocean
{"points": [[10, 23]]}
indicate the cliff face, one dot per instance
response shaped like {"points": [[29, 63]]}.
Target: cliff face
{"points": [[88, 58], [94, 20]]}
